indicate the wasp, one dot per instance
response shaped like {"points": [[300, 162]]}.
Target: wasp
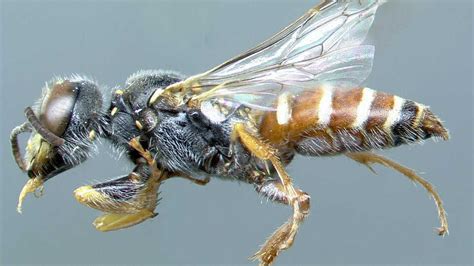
{"points": [[297, 93]]}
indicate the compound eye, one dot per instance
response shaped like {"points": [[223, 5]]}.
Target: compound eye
{"points": [[57, 107]]}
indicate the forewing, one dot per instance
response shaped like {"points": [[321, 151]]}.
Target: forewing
{"points": [[321, 47]]}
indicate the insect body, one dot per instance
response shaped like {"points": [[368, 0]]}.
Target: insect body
{"points": [[299, 92]]}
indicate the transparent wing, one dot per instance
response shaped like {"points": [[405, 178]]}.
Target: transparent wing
{"points": [[321, 47]]}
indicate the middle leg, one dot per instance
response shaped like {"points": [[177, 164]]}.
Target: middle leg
{"points": [[281, 190]]}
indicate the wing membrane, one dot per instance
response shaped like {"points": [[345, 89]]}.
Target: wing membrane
{"points": [[321, 47]]}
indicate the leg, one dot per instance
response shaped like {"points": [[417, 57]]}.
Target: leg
{"points": [[131, 199], [128, 200], [283, 190], [114, 221], [197, 181], [263, 151], [284, 236], [368, 158], [151, 162], [32, 186], [202, 182]]}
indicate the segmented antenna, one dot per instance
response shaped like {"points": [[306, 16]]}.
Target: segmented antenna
{"points": [[50, 137], [25, 127]]}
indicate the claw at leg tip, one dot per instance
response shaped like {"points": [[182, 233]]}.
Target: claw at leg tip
{"points": [[442, 231]]}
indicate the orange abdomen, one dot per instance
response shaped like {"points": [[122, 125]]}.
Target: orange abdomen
{"points": [[329, 121]]}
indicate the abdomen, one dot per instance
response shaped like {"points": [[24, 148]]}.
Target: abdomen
{"points": [[329, 121]]}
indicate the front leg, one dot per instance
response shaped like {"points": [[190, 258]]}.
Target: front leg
{"points": [[131, 199], [128, 200], [281, 190]]}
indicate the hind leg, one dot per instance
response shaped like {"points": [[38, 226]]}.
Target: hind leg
{"points": [[368, 158], [284, 236]]}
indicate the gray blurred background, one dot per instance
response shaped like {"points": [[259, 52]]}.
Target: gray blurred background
{"points": [[424, 53]]}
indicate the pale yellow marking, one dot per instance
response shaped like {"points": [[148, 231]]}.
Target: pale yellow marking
{"points": [[208, 93], [114, 111], [144, 198], [87, 194], [284, 108], [224, 110], [134, 176], [394, 114], [325, 106], [419, 114], [155, 96], [138, 124], [119, 92], [363, 109], [113, 221], [38, 152], [92, 135], [31, 186]]}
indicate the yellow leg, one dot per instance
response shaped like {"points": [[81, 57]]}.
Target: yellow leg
{"points": [[128, 200], [31, 186], [126, 195], [131, 199], [113, 221], [368, 158], [264, 151], [128, 213], [284, 236]]}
